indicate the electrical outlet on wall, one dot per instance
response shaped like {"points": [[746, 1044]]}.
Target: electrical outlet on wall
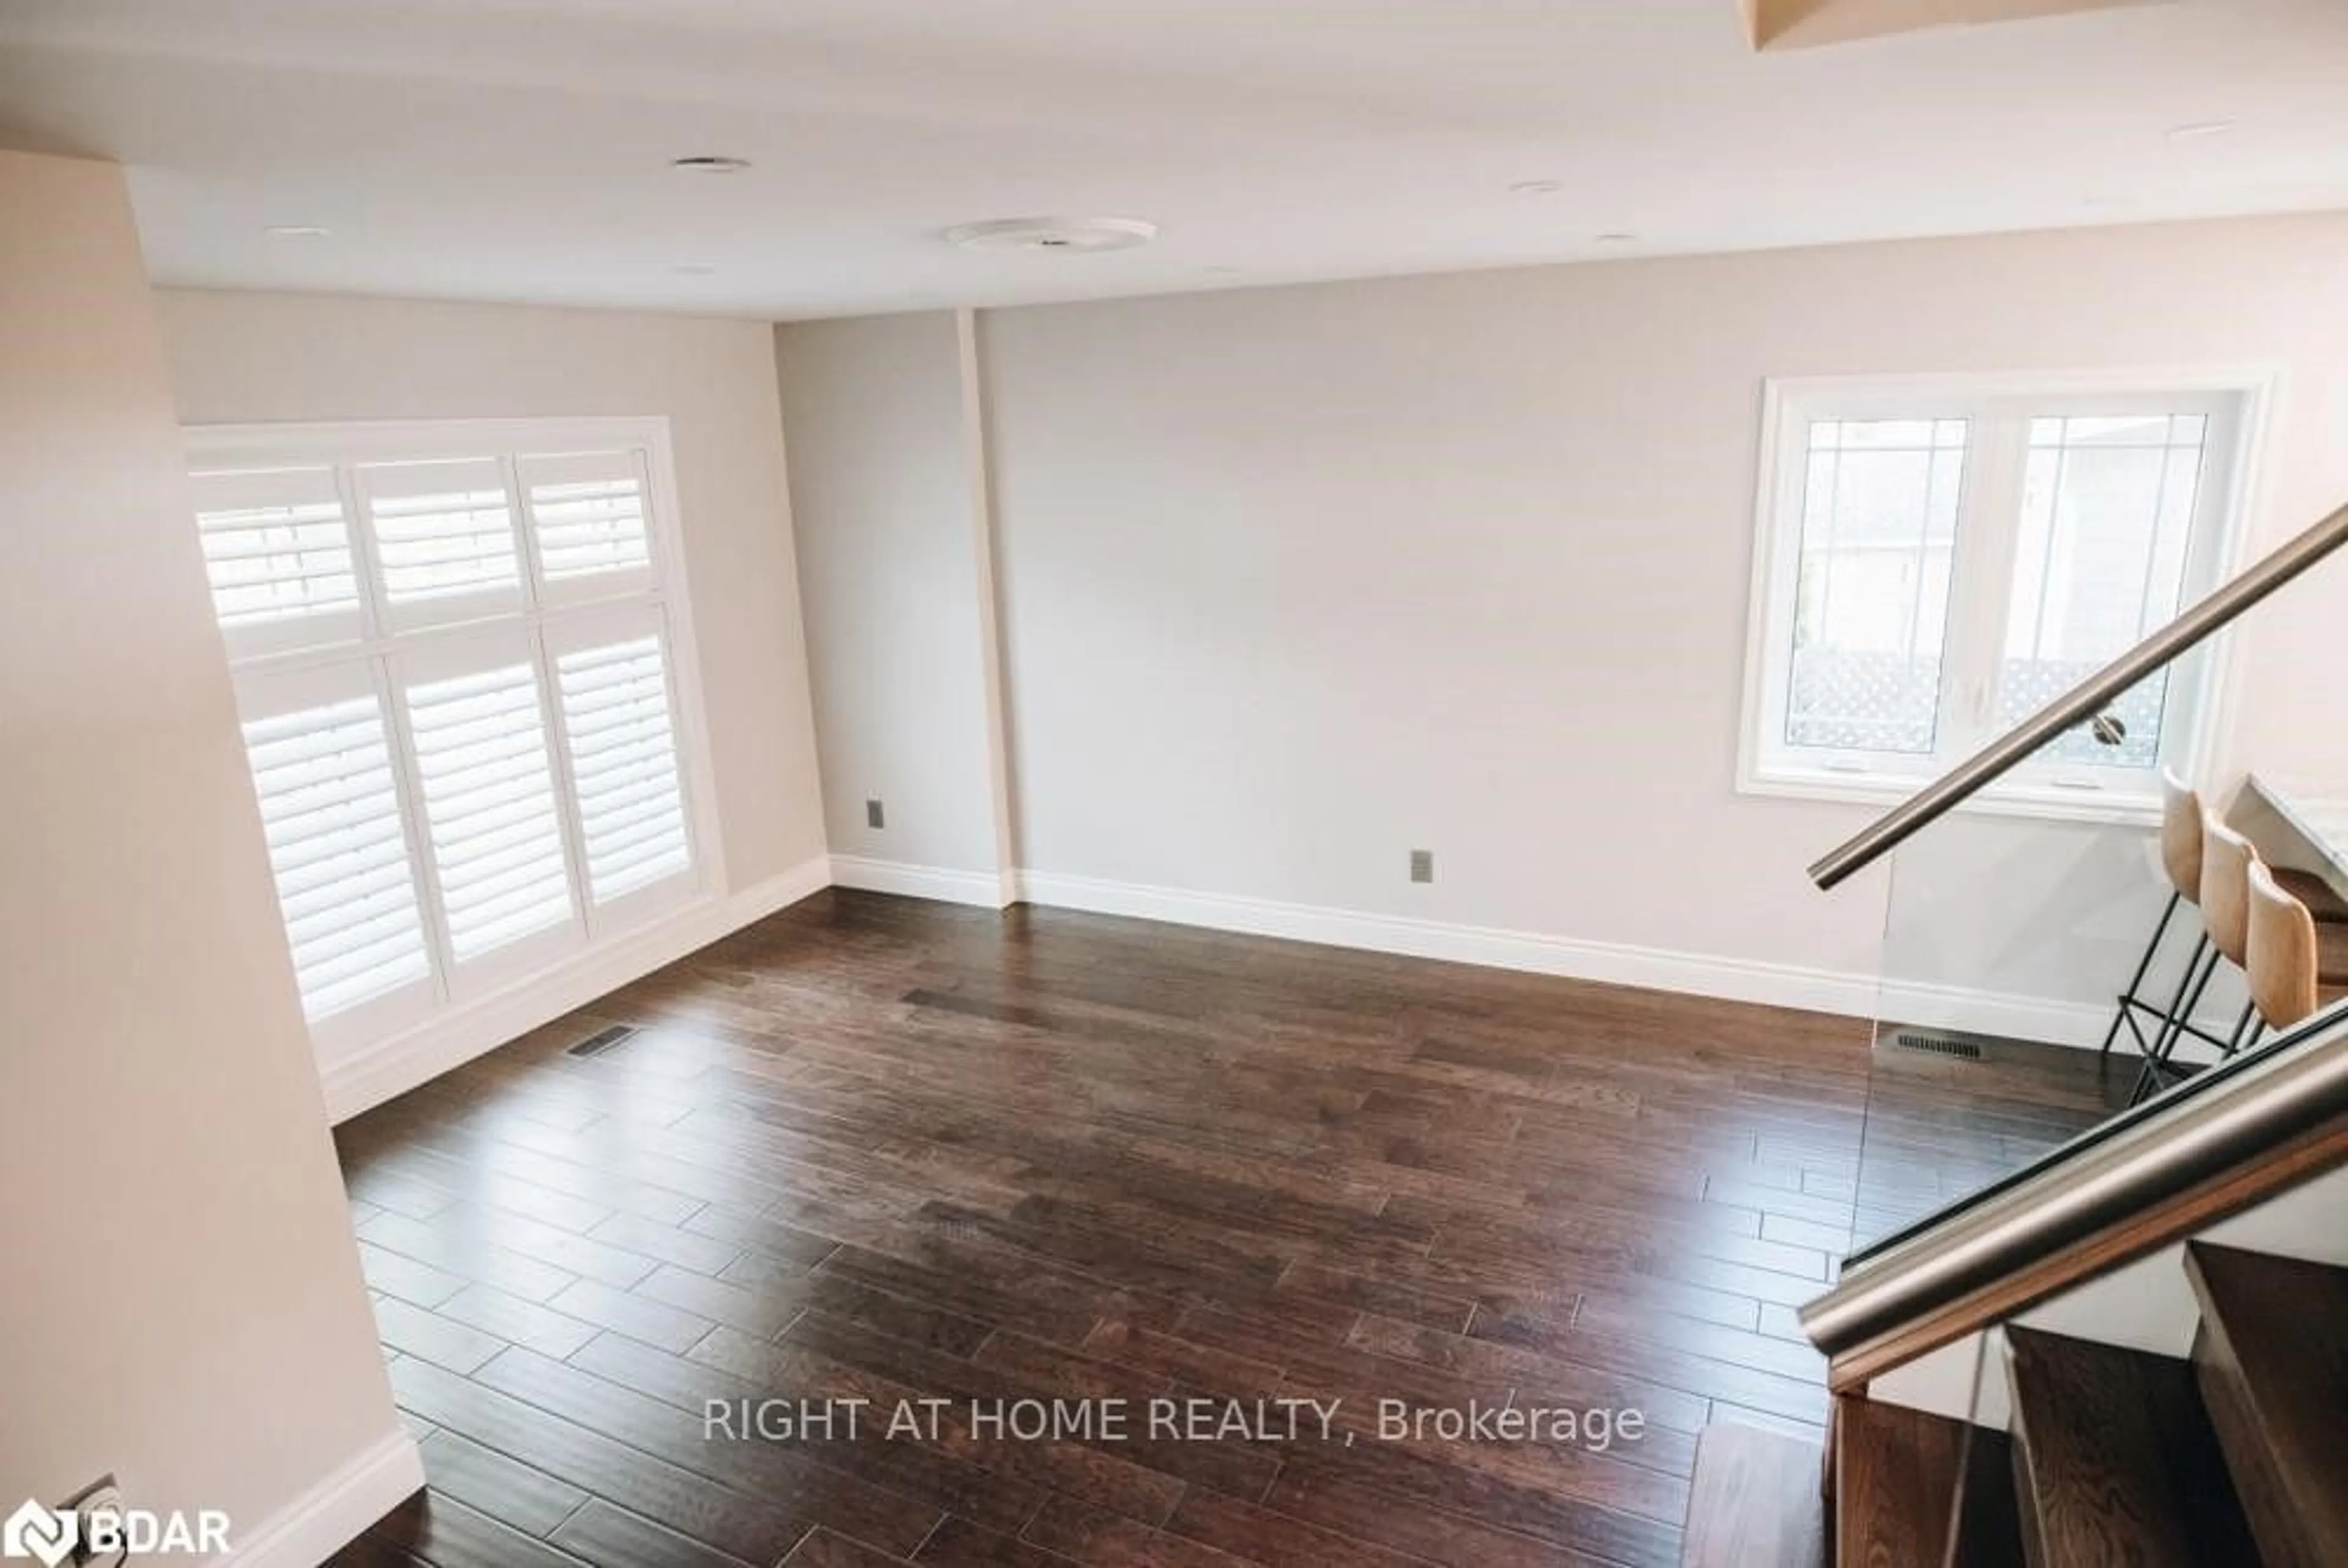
{"points": [[1422, 866], [873, 816], [103, 1495]]}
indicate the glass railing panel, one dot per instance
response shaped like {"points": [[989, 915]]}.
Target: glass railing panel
{"points": [[2014, 923], [2006, 941], [2013, 926], [2324, 1030], [1939, 1138]]}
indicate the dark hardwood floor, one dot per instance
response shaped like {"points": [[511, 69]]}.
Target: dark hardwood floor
{"points": [[1940, 1128], [880, 1149]]}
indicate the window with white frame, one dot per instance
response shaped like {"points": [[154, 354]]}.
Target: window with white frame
{"points": [[1939, 560], [462, 658]]}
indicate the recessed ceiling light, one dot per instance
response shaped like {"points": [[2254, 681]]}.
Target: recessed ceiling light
{"points": [[2201, 130], [1537, 188], [1067, 234], [294, 232], [710, 164]]}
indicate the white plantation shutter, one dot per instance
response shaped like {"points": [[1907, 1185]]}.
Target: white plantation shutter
{"points": [[588, 518], [490, 804], [277, 549], [464, 669], [444, 538], [327, 783], [621, 738]]}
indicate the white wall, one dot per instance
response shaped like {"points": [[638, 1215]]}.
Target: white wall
{"points": [[889, 564], [179, 1299], [238, 358], [1297, 580]]}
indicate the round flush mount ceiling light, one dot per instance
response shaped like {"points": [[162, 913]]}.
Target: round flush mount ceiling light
{"points": [[2201, 130], [1531, 188], [1061, 234], [707, 163], [294, 232]]}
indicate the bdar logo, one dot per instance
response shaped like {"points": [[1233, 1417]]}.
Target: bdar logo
{"points": [[100, 1524], [36, 1532]]}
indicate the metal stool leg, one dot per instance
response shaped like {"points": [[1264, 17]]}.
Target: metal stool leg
{"points": [[2176, 1015], [2128, 998], [2156, 1062], [2245, 1030]]}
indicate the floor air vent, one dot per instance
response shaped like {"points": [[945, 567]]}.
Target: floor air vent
{"points": [[1937, 1044], [602, 1041]]}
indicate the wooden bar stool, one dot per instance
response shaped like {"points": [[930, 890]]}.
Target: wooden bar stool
{"points": [[2182, 834], [2180, 858], [2297, 967], [2225, 898]]}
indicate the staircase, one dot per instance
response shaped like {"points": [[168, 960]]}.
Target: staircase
{"points": [[2235, 1458]]}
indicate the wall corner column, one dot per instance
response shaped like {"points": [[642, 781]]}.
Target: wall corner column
{"points": [[999, 778]]}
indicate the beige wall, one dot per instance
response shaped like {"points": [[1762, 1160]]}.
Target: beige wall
{"points": [[179, 1299], [1296, 579], [240, 357], [1299, 577], [880, 493]]}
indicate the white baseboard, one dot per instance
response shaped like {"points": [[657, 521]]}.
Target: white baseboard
{"points": [[983, 889], [1847, 994], [417, 1055], [1612, 963], [330, 1515], [2000, 1014], [2007, 1015]]}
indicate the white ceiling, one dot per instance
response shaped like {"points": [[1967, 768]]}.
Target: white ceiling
{"points": [[519, 149]]}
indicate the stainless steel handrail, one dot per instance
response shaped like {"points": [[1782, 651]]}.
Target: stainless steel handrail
{"points": [[2299, 1084], [2082, 703]]}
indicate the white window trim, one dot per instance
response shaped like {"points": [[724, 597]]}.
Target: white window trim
{"points": [[2209, 731], [365, 1027]]}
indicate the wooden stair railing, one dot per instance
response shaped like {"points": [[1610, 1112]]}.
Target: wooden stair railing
{"points": [[2241, 1133], [2235, 1458]]}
